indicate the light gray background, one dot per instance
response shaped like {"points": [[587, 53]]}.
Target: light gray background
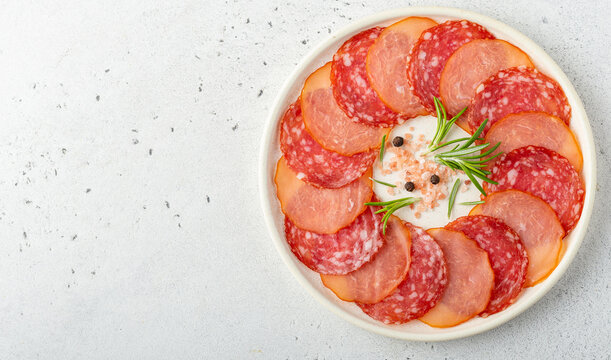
{"points": [[129, 215]]}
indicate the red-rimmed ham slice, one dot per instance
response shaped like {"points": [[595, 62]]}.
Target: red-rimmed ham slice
{"points": [[430, 54], [387, 62], [327, 122], [538, 129], [323, 211], [378, 278], [473, 63], [339, 253], [506, 253], [514, 90], [351, 86], [535, 222], [470, 280], [422, 287], [312, 162], [543, 173]]}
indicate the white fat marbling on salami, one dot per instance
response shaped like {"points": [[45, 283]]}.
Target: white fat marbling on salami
{"points": [[339, 253], [422, 287]]}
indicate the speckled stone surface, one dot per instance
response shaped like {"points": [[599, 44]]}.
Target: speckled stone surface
{"points": [[129, 212]]}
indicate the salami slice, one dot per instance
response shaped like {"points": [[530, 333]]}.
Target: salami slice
{"points": [[422, 287], [543, 173], [515, 90], [430, 54], [386, 63], [506, 253], [323, 211], [535, 128], [536, 224], [339, 253], [311, 162], [473, 63], [376, 279], [327, 122], [470, 280], [351, 86]]}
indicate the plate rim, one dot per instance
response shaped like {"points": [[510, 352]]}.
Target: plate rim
{"points": [[266, 196]]}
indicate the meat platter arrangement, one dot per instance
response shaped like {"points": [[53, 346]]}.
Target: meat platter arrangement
{"points": [[429, 173]]}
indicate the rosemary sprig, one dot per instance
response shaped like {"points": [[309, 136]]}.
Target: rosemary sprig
{"points": [[382, 147], [391, 206], [382, 182], [469, 159], [472, 202], [443, 124], [453, 196]]}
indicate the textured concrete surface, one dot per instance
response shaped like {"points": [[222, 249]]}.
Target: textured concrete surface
{"points": [[129, 212]]}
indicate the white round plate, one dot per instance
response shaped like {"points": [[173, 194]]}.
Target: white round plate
{"points": [[270, 153]]}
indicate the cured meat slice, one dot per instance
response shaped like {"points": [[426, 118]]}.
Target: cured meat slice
{"points": [[351, 86], [535, 128], [376, 279], [506, 253], [470, 280], [473, 63], [327, 122], [536, 224], [543, 173], [422, 287], [430, 54], [322, 211], [311, 162], [515, 90], [339, 253], [387, 61]]}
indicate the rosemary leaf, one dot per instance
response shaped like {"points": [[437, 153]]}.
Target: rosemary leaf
{"points": [[453, 196], [382, 182], [472, 202]]}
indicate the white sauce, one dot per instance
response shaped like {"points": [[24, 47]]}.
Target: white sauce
{"points": [[438, 216]]}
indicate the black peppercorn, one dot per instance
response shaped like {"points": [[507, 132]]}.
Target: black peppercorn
{"points": [[409, 186], [435, 179], [397, 141]]}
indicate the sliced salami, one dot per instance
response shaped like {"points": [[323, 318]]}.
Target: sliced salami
{"points": [[378, 278], [543, 173], [430, 54], [473, 63], [506, 253], [319, 210], [535, 128], [351, 86], [470, 280], [327, 122], [536, 224], [515, 90], [386, 63], [422, 287], [339, 253], [312, 162]]}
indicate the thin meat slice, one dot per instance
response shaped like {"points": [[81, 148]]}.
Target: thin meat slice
{"points": [[387, 61], [312, 162], [515, 90], [535, 222], [543, 173], [351, 86], [422, 287], [506, 253], [473, 63], [470, 280], [376, 279], [430, 54], [327, 122], [535, 128], [339, 253], [322, 211]]}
